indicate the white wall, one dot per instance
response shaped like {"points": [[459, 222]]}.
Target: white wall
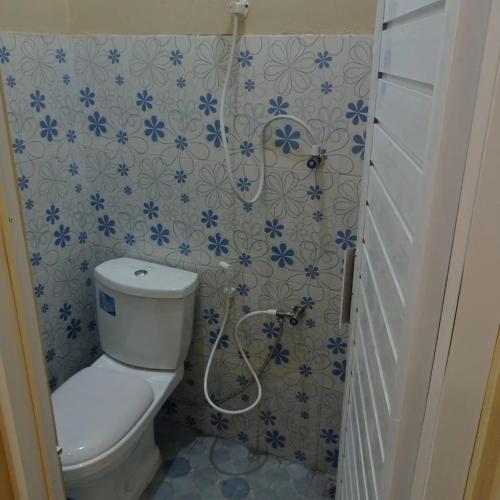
{"points": [[185, 16], [43, 16]]}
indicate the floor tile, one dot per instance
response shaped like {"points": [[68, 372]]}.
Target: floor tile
{"points": [[196, 466]]}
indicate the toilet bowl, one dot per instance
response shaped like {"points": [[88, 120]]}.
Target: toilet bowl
{"points": [[105, 413], [104, 419]]}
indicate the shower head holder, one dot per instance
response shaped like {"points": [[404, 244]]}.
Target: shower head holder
{"points": [[239, 8]]}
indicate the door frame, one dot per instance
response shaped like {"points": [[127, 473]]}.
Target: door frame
{"points": [[484, 474], [450, 427], [25, 403]]}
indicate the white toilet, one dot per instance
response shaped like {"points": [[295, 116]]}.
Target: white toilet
{"points": [[104, 414]]}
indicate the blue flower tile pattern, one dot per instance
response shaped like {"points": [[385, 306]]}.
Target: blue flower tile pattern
{"points": [[118, 150]]}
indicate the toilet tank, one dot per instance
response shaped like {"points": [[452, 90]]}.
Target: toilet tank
{"points": [[145, 312]]}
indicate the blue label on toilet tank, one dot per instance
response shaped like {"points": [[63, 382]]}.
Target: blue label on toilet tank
{"points": [[107, 303]]}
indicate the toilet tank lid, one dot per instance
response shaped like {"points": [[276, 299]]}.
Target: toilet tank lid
{"points": [[95, 409], [145, 279]]}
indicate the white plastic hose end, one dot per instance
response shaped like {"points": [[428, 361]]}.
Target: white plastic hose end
{"points": [[315, 150]]}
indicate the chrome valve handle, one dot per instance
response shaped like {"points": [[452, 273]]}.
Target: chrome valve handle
{"points": [[314, 162]]}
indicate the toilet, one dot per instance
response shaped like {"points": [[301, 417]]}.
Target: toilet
{"points": [[104, 413]]}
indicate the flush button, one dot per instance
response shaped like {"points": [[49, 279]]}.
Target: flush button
{"points": [[141, 272]]}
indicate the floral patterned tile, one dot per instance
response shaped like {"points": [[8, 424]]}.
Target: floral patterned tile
{"points": [[118, 148]]}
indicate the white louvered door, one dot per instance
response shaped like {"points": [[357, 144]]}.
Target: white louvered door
{"points": [[415, 155]]}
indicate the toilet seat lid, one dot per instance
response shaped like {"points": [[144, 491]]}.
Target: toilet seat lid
{"points": [[96, 408]]}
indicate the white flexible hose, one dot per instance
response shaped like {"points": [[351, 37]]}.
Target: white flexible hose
{"points": [[262, 165], [270, 312]]}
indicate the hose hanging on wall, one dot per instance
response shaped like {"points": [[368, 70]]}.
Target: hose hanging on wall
{"points": [[293, 316], [239, 9]]}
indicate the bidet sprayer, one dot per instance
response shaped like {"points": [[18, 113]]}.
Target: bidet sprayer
{"points": [[229, 290]]}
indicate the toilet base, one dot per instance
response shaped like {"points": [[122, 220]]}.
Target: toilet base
{"points": [[125, 482]]}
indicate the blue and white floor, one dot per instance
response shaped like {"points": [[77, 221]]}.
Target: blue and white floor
{"points": [[199, 467]]}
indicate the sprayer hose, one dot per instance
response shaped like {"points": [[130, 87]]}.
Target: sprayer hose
{"points": [[227, 156], [260, 371], [255, 375]]}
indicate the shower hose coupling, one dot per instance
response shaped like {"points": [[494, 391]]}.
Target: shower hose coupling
{"points": [[293, 316]]}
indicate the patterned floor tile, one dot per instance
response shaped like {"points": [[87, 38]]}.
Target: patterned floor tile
{"points": [[196, 466]]}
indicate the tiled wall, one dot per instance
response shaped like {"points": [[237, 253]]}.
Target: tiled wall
{"points": [[118, 152]]}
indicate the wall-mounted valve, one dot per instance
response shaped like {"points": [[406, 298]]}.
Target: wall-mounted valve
{"points": [[314, 162], [315, 159], [293, 316]]}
